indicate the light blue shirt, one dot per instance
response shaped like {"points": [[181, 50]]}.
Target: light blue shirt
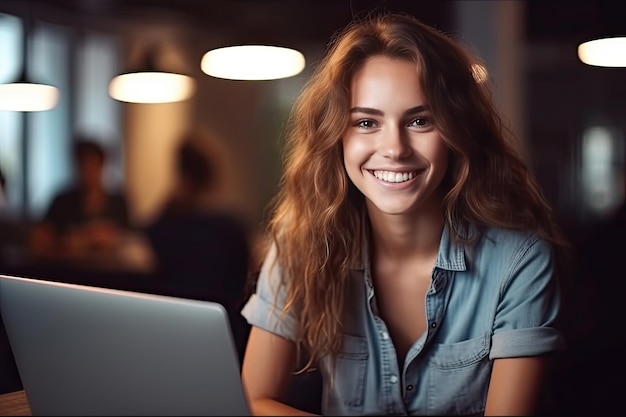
{"points": [[496, 299]]}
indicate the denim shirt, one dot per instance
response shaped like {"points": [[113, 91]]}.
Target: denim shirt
{"points": [[496, 299]]}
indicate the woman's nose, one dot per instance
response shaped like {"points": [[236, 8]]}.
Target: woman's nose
{"points": [[394, 144]]}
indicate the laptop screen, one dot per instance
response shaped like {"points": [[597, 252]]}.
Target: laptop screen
{"points": [[84, 350]]}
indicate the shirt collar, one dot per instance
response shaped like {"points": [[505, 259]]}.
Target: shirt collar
{"points": [[451, 254]]}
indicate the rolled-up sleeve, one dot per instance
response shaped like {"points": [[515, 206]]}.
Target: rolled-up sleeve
{"points": [[529, 305], [264, 309]]}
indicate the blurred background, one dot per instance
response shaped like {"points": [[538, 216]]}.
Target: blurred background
{"points": [[568, 115], [570, 118]]}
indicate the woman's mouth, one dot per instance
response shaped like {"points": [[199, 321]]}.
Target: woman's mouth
{"points": [[393, 176]]}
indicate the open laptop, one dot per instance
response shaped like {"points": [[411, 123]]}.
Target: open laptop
{"points": [[84, 350]]}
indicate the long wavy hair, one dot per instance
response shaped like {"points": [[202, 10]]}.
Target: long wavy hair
{"points": [[318, 215]]}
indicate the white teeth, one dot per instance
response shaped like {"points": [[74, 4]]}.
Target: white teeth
{"points": [[389, 176]]}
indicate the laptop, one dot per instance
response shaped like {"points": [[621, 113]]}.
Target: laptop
{"points": [[84, 350]]}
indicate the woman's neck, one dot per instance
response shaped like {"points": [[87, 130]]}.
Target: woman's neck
{"points": [[414, 234]]}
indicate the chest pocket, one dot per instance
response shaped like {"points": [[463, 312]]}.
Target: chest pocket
{"points": [[458, 377], [347, 393]]}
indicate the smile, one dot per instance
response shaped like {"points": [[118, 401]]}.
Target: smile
{"points": [[394, 177]]}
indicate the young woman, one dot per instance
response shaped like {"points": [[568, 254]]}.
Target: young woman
{"points": [[411, 253]]}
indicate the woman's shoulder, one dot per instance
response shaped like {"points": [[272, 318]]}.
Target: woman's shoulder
{"points": [[512, 239]]}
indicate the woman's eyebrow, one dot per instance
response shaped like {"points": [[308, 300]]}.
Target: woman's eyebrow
{"points": [[367, 110], [377, 112], [417, 109]]}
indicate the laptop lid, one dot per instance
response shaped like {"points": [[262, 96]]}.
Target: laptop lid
{"points": [[84, 350]]}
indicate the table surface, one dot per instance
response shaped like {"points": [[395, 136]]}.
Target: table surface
{"points": [[14, 404]]}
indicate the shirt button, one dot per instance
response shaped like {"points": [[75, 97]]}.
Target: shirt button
{"points": [[409, 387], [433, 324], [385, 335], [393, 379]]}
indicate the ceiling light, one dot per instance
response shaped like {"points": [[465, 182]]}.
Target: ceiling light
{"points": [[151, 85], [605, 52], [252, 62], [28, 96], [24, 94]]}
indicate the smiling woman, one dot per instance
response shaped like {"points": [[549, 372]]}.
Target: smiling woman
{"points": [[411, 256]]}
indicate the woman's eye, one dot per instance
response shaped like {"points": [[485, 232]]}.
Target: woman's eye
{"points": [[420, 122], [365, 123]]}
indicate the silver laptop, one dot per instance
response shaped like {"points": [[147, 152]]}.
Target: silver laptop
{"points": [[84, 350]]}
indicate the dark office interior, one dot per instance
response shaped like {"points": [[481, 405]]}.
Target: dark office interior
{"points": [[570, 118]]}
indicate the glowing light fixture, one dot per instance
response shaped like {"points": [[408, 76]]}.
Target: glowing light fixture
{"points": [[604, 52], [252, 62], [150, 85], [28, 96], [24, 94]]}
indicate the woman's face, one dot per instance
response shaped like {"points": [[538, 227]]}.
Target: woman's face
{"points": [[392, 152]]}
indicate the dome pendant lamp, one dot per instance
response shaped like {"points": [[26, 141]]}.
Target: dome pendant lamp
{"points": [[25, 94], [148, 84], [604, 52], [252, 62]]}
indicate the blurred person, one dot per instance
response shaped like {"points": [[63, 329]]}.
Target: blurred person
{"points": [[411, 255], [85, 218], [201, 251]]}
